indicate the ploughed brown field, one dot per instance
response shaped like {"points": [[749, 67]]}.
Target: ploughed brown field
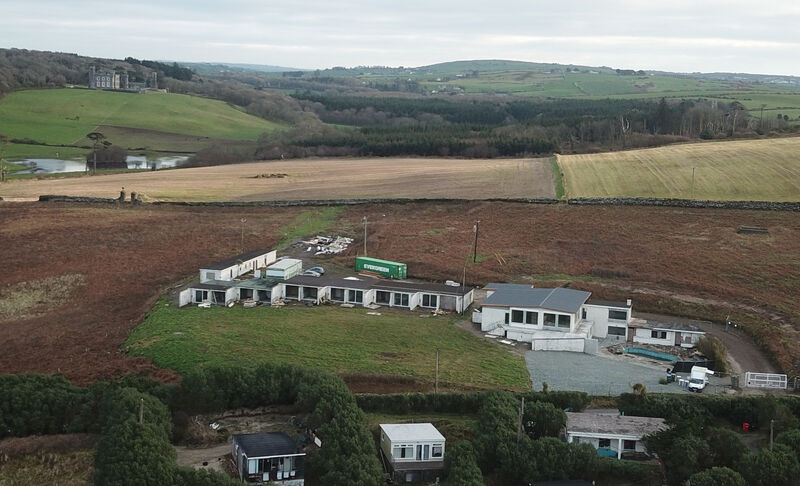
{"points": [[314, 179], [77, 278]]}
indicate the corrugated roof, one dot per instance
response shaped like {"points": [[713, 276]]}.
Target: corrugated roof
{"points": [[558, 299], [266, 445], [229, 262], [411, 432], [594, 423], [258, 283]]}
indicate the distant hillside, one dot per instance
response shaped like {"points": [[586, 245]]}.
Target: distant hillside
{"points": [[170, 123], [209, 68], [61, 118], [486, 65]]}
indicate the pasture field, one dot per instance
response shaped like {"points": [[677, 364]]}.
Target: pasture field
{"points": [[344, 341], [65, 116], [316, 179], [742, 170], [576, 85]]}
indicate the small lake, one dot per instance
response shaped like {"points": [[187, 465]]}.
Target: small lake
{"points": [[55, 166]]}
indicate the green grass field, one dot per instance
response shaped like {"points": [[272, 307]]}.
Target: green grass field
{"points": [[758, 170], [346, 341], [65, 116]]}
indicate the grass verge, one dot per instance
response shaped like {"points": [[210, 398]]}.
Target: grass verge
{"points": [[395, 343]]}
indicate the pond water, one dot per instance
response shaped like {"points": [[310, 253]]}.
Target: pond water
{"points": [[54, 166]]}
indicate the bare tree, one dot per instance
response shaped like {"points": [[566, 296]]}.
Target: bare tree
{"points": [[96, 138]]}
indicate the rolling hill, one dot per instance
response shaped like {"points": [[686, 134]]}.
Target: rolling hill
{"points": [[150, 122]]}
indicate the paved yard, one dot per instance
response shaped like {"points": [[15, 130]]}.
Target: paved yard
{"points": [[600, 375]]}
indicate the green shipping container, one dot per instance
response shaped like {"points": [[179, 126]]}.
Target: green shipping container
{"points": [[381, 267]]}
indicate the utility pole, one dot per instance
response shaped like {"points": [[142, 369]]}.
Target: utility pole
{"points": [[519, 423], [771, 432], [693, 183], [241, 246], [141, 410], [436, 379], [475, 250], [364, 220]]}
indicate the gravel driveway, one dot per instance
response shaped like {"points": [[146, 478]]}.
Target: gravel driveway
{"points": [[600, 375]]}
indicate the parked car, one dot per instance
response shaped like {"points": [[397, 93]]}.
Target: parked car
{"points": [[319, 270], [311, 273]]}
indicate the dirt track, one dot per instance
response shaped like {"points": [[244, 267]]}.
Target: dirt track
{"points": [[130, 256], [317, 179]]}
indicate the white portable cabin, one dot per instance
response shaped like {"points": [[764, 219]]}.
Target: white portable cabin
{"points": [[285, 269], [412, 444], [233, 267]]}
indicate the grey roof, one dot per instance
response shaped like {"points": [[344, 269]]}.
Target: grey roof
{"points": [[558, 299], [397, 286], [257, 283], [320, 282], [672, 326], [266, 445], [593, 423], [213, 285], [498, 286], [229, 262], [379, 284], [609, 303]]}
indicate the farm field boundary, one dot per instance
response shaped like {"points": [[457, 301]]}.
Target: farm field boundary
{"points": [[596, 201]]}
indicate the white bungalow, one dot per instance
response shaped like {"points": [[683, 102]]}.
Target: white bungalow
{"points": [[612, 435], [681, 334]]}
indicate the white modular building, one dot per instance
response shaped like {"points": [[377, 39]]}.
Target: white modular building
{"points": [[234, 267], [413, 452], [285, 269]]}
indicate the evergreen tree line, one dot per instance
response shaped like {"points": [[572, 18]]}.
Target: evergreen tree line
{"points": [[131, 452], [702, 445], [459, 403]]}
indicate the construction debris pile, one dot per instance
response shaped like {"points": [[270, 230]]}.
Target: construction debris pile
{"points": [[328, 245]]}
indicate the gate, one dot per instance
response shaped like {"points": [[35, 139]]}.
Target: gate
{"points": [[765, 380]]}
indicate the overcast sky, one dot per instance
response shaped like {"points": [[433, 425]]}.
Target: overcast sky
{"points": [[672, 35]]}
